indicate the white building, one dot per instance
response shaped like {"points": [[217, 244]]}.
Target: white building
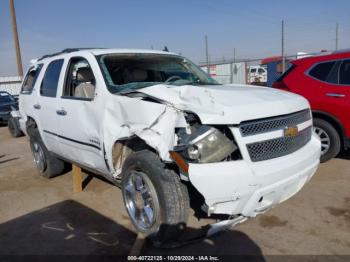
{"points": [[11, 84]]}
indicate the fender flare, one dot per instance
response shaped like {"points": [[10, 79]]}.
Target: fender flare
{"points": [[333, 121]]}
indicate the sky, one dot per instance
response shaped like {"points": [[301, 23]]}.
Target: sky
{"points": [[252, 27]]}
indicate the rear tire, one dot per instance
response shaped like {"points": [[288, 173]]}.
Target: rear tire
{"points": [[330, 139], [13, 127], [47, 165], [156, 200]]}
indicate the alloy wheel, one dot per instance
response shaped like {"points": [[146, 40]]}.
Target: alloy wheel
{"points": [[141, 200], [325, 139]]}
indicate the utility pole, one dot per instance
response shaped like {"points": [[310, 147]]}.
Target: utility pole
{"points": [[233, 66], [15, 38], [234, 55], [336, 36], [283, 55], [207, 54]]}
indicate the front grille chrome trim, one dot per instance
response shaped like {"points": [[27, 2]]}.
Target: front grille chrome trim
{"points": [[278, 147], [255, 127]]}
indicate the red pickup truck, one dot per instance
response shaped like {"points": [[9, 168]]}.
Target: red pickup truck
{"points": [[325, 81]]}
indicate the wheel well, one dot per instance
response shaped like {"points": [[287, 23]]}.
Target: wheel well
{"points": [[333, 121], [31, 125], [124, 147]]}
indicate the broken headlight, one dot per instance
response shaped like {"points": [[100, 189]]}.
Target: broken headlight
{"points": [[205, 145]]}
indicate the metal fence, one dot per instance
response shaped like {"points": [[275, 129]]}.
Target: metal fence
{"points": [[11, 84], [238, 71], [228, 73]]}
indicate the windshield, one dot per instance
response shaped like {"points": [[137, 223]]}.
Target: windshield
{"points": [[5, 98], [129, 72]]}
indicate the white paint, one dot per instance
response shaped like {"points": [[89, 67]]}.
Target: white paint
{"points": [[228, 187], [228, 104]]}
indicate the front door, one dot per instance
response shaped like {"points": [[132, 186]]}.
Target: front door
{"points": [[80, 135], [336, 95]]}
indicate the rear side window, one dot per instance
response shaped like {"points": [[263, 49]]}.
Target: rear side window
{"points": [[344, 73], [322, 70], [30, 79], [50, 81], [333, 76]]}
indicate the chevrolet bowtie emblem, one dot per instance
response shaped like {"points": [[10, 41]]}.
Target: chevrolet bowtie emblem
{"points": [[291, 131]]}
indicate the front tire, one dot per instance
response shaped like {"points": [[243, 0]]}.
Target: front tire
{"points": [[156, 200], [47, 165], [330, 139]]}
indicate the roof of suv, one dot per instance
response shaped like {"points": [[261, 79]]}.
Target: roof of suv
{"points": [[102, 51], [324, 56]]}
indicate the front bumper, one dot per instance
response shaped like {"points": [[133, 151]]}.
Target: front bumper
{"points": [[247, 188]]}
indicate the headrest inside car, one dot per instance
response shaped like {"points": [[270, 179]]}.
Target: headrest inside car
{"points": [[85, 74]]}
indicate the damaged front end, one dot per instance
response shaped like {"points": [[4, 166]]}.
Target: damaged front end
{"points": [[195, 123], [199, 143]]}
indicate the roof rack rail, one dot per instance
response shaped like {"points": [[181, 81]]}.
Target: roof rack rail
{"points": [[341, 51], [68, 50]]}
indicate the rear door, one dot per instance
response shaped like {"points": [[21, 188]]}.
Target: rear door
{"points": [[45, 105]]}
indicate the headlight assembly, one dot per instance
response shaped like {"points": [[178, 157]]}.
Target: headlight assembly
{"points": [[206, 145]]}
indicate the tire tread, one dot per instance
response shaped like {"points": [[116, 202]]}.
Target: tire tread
{"points": [[172, 195]]}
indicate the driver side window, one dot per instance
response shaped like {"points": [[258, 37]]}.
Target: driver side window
{"points": [[80, 81]]}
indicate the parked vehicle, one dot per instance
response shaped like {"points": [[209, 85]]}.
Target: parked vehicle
{"points": [[153, 123], [325, 81], [9, 103], [257, 74]]}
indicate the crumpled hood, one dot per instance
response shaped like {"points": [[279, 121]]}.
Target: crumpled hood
{"points": [[228, 104]]}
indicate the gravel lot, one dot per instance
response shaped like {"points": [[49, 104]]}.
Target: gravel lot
{"points": [[41, 216]]}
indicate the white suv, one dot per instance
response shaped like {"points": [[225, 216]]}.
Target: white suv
{"points": [[155, 124]]}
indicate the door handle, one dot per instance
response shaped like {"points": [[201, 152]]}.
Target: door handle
{"points": [[335, 95], [61, 112], [37, 106]]}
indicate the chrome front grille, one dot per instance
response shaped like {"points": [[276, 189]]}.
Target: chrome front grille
{"points": [[278, 147], [274, 123]]}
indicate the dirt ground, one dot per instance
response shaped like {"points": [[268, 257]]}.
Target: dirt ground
{"points": [[41, 216]]}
